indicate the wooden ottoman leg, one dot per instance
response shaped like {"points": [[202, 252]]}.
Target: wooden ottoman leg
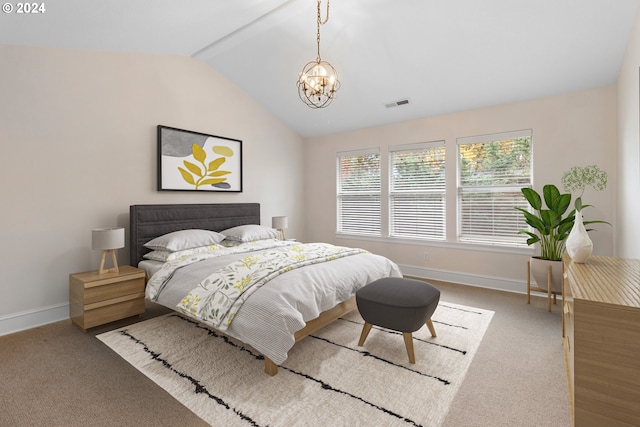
{"points": [[408, 342], [431, 328], [365, 332]]}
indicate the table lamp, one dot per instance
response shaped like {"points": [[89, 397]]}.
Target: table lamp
{"points": [[107, 239], [280, 223]]}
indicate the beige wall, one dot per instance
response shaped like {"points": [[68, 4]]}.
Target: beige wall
{"points": [[628, 188], [78, 135], [572, 129]]}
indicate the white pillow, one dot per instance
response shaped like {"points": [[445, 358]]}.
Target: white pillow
{"points": [[184, 239], [165, 256], [250, 233]]}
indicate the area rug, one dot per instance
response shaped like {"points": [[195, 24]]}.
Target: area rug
{"points": [[327, 379]]}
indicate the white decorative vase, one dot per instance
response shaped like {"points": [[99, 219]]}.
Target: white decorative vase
{"points": [[579, 246]]}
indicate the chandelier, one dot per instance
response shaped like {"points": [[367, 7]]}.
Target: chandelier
{"points": [[318, 81]]}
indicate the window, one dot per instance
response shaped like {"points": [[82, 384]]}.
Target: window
{"points": [[359, 202], [491, 171], [417, 191]]}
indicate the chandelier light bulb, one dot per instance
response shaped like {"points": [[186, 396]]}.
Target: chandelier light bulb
{"points": [[319, 71]]}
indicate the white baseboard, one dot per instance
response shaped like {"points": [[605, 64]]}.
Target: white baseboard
{"points": [[17, 322], [489, 282]]}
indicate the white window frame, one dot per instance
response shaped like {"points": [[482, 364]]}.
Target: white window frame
{"points": [[502, 232], [370, 214], [418, 218]]}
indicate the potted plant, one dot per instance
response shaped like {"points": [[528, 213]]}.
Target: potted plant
{"points": [[552, 226], [553, 223]]}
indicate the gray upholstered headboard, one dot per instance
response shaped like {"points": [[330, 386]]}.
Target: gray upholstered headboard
{"points": [[147, 222]]}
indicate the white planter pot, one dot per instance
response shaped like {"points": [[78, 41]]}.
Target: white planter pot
{"points": [[539, 271], [579, 246]]}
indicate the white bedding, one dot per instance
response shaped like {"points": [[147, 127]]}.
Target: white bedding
{"points": [[271, 315]]}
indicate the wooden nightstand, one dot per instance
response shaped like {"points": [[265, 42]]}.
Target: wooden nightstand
{"points": [[96, 299]]}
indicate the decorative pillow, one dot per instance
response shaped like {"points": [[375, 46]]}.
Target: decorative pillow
{"points": [[184, 239], [232, 243], [249, 233], [165, 256], [162, 256]]}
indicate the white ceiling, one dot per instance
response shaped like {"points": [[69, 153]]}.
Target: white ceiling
{"points": [[442, 55]]}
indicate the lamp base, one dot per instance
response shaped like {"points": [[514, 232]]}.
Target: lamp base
{"points": [[281, 230], [114, 269]]}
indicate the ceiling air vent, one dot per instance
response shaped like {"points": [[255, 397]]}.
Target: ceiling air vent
{"points": [[397, 103]]}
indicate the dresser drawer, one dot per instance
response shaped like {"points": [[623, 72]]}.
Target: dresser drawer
{"points": [[569, 344], [567, 312], [568, 364], [569, 353]]}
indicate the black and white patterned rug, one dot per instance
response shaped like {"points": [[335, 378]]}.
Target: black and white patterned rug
{"points": [[327, 379]]}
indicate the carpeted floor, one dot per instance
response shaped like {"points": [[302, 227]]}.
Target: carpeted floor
{"points": [[57, 375]]}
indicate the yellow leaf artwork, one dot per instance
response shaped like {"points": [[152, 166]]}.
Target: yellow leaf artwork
{"points": [[206, 174]]}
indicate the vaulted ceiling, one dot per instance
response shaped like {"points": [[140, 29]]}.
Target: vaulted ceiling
{"points": [[443, 56]]}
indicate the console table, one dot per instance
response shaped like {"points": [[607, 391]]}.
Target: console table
{"points": [[601, 330]]}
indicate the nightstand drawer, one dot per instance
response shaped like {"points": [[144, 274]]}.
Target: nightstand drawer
{"points": [[116, 310], [113, 290]]}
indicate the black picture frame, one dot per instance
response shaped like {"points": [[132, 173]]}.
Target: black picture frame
{"points": [[195, 161]]}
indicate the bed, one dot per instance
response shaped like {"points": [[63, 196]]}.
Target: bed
{"points": [[285, 309]]}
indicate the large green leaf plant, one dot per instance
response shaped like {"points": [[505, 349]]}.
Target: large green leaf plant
{"points": [[552, 229]]}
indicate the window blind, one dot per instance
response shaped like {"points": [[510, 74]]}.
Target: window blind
{"points": [[359, 186], [491, 171], [417, 191]]}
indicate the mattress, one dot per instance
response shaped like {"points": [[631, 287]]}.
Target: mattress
{"points": [[150, 267]]}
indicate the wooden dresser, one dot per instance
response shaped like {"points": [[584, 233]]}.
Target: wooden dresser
{"points": [[601, 329]]}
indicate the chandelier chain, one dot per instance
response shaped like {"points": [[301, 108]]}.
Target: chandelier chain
{"points": [[321, 22]]}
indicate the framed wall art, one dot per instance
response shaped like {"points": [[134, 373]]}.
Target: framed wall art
{"points": [[194, 161]]}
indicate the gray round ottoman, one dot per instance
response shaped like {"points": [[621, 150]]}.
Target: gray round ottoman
{"points": [[403, 305]]}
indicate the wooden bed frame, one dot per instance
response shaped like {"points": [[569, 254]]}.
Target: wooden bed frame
{"points": [[150, 221]]}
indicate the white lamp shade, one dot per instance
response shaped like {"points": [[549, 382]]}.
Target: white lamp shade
{"points": [[279, 222], [107, 238]]}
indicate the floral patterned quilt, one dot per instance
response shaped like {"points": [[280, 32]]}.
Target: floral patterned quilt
{"points": [[217, 299]]}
